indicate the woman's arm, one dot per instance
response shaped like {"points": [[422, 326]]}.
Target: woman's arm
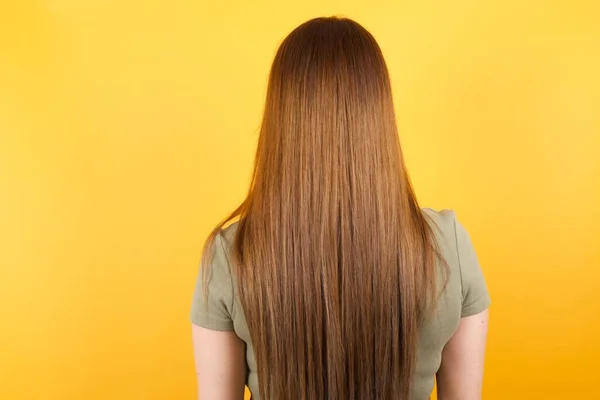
{"points": [[461, 374], [220, 364]]}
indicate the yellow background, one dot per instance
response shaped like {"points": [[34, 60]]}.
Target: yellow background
{"points": [[127, 130]]}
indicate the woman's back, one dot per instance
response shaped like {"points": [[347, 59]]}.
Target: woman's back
{"points": [[463, 294], [334, 264]]}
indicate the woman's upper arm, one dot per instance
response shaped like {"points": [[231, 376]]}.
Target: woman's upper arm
{"points": [[219, 354], [220, 364], [461, 374]]}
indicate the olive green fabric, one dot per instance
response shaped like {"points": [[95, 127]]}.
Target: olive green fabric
{"points": [[464, 294]]}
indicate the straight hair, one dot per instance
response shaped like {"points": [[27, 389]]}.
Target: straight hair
{"points": [[334, 261]]}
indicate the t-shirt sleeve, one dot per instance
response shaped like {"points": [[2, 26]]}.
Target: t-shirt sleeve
{"points": [[475, 295], [212, 305]]}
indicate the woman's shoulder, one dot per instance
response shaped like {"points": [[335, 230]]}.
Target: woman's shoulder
{"points": [[444, 225], [443, 222], [219, 259], [227, 233], [457, 249]]}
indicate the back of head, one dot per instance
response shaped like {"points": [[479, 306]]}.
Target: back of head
{"points": [[334, 262]]}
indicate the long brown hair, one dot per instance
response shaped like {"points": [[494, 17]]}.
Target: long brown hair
{"points": [[334, 261]]}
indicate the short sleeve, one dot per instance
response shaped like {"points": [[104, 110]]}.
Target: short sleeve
{"points": [[214, 311], [475, 296]]}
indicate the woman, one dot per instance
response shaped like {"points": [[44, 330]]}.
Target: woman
{"points": [[333, 283]]}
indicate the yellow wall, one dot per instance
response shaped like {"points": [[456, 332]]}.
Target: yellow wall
{"points": [[127, 130]]}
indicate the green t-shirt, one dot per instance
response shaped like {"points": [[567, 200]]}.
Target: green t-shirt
{"points": [[464, 294]]}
